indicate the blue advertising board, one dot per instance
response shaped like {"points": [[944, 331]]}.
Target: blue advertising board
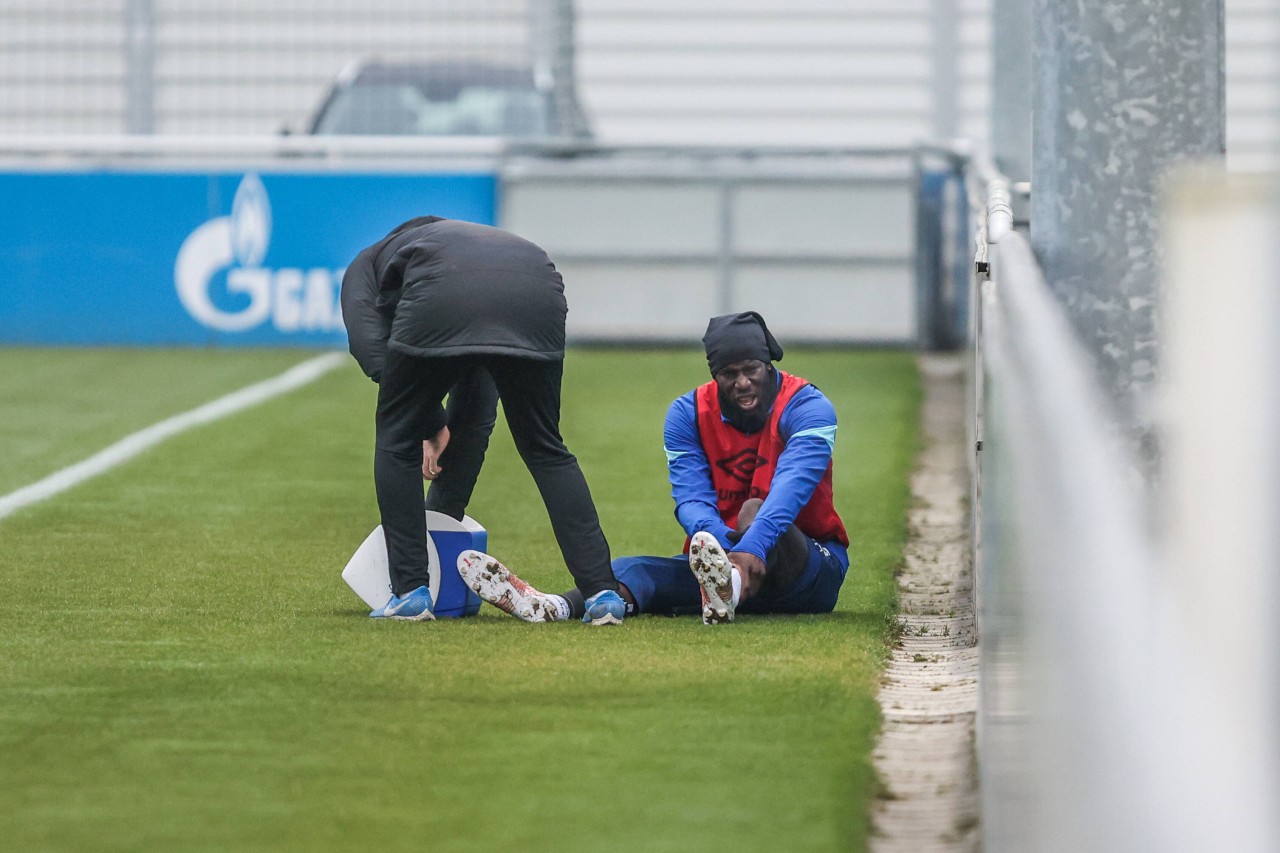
{"points": [[227, 259]]}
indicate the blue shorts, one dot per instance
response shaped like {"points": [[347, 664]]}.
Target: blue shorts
{"points": [[666, 586]]}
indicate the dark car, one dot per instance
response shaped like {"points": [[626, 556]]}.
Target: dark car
{"points": [[443, 99]]}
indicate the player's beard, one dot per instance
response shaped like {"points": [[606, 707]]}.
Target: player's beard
{"points": [[754, 420]]}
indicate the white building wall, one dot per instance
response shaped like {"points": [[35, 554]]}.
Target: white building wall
{"points": [[772, 72], [737, 72], [1253, 84], [225, 67], [835, 72]]}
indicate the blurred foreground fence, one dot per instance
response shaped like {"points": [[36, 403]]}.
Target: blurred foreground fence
{"points": [[1129, 675]]}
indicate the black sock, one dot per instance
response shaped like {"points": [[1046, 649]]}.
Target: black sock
{"points": [[577, 603]]}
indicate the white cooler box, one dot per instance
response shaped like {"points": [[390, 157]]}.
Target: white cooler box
{"points": [[368, 575]]}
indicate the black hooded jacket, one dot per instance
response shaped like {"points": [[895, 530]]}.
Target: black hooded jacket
{"points": [[443, 287]]}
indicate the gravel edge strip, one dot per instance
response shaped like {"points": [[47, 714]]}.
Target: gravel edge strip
{"points": [[929, 693]]}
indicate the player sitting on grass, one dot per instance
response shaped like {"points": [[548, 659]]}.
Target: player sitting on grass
{"points": [[749, 459]]}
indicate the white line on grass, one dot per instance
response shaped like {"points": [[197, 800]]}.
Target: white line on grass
{"points": [[131, 445]]}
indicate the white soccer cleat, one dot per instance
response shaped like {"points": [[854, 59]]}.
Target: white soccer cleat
{"points": [[496, 584], [712, 568]]}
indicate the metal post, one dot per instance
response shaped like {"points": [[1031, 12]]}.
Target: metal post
{"points": [[1123, 91], [724, 261], [552, 51], [926, 188], [946, 86], [139, 67], [1011, 77]]}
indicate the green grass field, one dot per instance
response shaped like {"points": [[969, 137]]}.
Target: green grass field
{"points": [[183, 668]]}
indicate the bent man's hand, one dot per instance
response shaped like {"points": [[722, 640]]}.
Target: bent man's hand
{"points": [[431, 450], [751, 568]]}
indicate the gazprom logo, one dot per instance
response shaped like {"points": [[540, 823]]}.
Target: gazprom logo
{"points": [[231, 249]]}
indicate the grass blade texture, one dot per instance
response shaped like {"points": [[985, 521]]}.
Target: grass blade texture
{"points": [[183, 668]]}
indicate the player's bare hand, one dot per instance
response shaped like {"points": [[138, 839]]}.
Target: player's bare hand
{"points": [[432, 448], [751, 568]]}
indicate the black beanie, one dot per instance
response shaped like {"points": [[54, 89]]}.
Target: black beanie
{"points": [[735, 337]]}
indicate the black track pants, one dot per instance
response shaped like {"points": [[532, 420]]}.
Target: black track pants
{"points": [[409, 410]]}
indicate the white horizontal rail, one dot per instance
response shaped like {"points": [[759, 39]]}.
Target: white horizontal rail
{"points": [[1100, 730], [141, 145], [166, 145], [1093, 663]]}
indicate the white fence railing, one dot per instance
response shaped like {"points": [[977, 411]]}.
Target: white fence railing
{"points": [[1103, 726]]}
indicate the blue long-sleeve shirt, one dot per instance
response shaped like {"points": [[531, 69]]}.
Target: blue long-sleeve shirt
{"points": [[808, 431]]}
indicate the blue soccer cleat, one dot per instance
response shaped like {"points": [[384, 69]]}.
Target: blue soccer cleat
{"points": [[606, 607], [414, 606]]}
